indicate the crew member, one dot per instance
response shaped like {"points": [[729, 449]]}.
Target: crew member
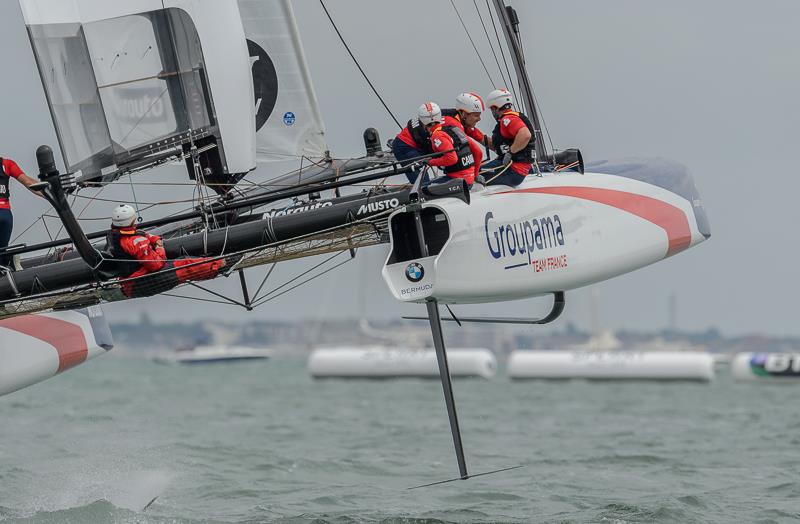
{"points": [[466, 114], [8, 170], [458, 160], [512, 140], [412, 142], [137, 253]]}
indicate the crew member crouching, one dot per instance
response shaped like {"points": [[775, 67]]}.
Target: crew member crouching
{"points": [[459, 161], [137, 253], [413, 142], [513, 141]]}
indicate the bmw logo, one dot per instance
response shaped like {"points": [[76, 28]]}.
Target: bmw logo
{"points": [[415, 272], [289, 118]]}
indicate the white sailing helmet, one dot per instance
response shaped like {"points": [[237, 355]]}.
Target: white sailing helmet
{"points": [[123, 216], [469, 103], [429, 112], [499, 98]]}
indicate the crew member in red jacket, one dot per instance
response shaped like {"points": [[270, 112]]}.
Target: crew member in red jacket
{"points": [[412, 142], [513, 140], [8, 170], [137, 253], [459, 162], [466, 114]]}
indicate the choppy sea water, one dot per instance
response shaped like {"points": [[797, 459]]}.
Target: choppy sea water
{"points": [[262, 442]]}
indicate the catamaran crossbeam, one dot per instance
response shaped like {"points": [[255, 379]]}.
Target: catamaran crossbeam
{"points": [[254, 231]]}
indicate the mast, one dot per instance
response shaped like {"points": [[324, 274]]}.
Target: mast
{"points": [[510, 24]]}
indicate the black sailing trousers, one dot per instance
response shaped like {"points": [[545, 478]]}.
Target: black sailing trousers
{"points": [[6, 226]]}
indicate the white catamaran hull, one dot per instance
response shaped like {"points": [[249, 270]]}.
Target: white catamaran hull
{"points": [[611, 365], [767, 367], [380, 362], [34, 348], [552, 233]]}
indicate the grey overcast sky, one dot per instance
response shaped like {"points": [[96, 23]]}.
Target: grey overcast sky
{"points": [[711, 84]]}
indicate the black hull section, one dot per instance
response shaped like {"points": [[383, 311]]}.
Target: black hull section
{"points": [[282, 225]]}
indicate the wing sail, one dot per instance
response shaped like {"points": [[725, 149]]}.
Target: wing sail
{"points": [[133, 84]]}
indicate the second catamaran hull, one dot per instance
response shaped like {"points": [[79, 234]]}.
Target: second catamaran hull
{"points": [[34, 348]]}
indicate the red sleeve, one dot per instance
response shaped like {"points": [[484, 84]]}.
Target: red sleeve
{"points": [[475, 133], [441, 141], [477, 154], [11, 168], [510, 125], [139, 246]]}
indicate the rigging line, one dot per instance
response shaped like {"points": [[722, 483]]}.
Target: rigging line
{"points": [[56, 217], [268, 298], [145, 115], [160, 76], [538, 107], [41, 218], [219, 295], [199, 178], [182, 184], [319, 163], [47, 229], [191, 184], [91, 199], [255, 295], [500, 45], [301, 275], [489, 40], [359, 65], [491, 81], [133, 192], [300, 170], [162, 203], [80, 214], [543, 121], [200, 299], [61, 224], [206, 196], [279, 153], [497, 175]]}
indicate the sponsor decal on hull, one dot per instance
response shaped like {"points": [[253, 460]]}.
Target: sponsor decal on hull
{"points": [[517, 244], [541, 265], [297, 209], [377, 206], [415, 272], [671, 219], [416, 290], [775, 364]]}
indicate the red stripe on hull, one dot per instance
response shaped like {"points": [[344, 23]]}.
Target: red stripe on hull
{"points": [[67, 338], [668, 217]]}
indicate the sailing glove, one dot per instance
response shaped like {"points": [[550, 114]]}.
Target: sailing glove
{"points": [[507, 159]]}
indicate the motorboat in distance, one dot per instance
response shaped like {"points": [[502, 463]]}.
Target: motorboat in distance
{"points": [[213, 355]]}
